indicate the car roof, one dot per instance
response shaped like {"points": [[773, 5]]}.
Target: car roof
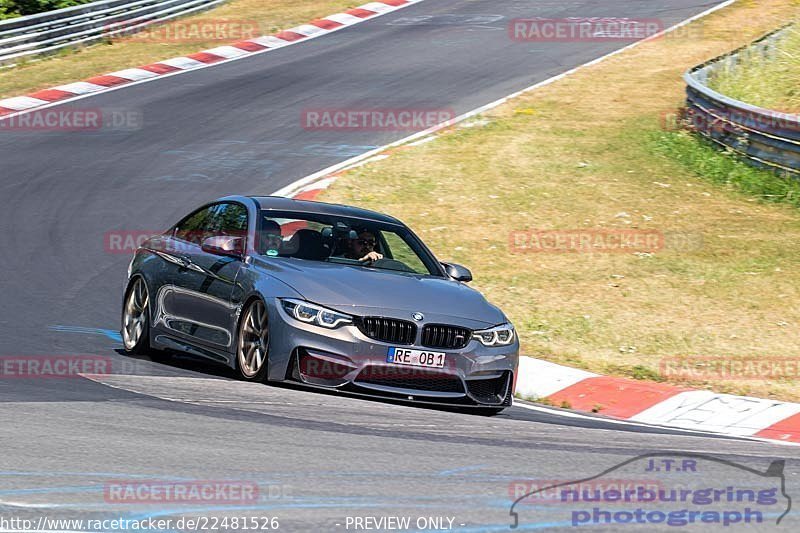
{"points": [[281, 203]]}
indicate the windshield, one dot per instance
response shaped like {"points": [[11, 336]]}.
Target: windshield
{"points": [[350, 241]]}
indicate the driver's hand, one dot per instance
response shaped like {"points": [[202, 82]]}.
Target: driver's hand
{"points": [[370, 257]]}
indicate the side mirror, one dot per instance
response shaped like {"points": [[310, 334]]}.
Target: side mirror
{"points": [[227, 245], [457, 272]]}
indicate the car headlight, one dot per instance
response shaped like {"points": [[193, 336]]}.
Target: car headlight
{"points": [[315, 314], [502, 335]]}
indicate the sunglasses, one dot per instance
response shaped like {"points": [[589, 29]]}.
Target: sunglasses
{"points": [[366, 242]]}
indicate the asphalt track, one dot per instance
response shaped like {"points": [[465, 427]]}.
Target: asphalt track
{"points": [[318, 458]]}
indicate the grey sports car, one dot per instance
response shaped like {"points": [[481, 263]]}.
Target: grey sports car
{"points": [[326, 295]]}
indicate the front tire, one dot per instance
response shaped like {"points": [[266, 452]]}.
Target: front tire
{"points": [[252, 348], [136, 319]]}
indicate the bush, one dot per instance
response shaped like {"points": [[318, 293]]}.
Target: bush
{"points": [[8, 9], [16, 8]]}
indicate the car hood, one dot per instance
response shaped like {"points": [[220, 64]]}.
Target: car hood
{"points": [[362, 290]]}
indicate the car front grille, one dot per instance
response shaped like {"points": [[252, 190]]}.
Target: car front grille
{"points": [[492, 390], [388, 329], [444, 336], [410, 378]]}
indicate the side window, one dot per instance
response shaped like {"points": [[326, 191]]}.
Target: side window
{"points": [[399, 250], [228, 219], [192, 227], [217, 219]]}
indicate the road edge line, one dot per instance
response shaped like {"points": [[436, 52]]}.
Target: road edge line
{"points": [[307, 183]]}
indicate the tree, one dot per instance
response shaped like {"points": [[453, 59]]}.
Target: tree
{"points": [[8, 9], [15, 8]]}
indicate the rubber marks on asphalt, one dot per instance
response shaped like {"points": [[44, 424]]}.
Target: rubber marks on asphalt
{"points": [[200, 59], [659, 403]]}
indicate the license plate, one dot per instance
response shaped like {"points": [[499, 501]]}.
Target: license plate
{"points": [[405, 356]]}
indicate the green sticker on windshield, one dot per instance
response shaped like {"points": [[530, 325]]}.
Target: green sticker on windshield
{"points": [[272, 253]]}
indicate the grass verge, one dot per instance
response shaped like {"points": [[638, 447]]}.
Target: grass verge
{"points": [[771, 81], [573, 156], [704, 158], [267, 16]]}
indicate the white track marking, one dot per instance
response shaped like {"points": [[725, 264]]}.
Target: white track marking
{"points": [[377, 7], [133, 74], [270, 41], [721, 413], [80, 87], [692, 432], [304, 182], [308, 30], [544, 378], [344, 18], [183, 63], [227, 52], [186, 64], [21, 103]]}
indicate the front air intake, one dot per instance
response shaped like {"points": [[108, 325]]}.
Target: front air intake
{"points": [[410, 378], [493, 391]]}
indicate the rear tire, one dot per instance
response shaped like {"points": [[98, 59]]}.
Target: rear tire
{"points": [[136, 319], [252, 346]]}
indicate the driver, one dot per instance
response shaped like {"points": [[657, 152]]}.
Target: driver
{"points": [[270, 237], [363, 247]]}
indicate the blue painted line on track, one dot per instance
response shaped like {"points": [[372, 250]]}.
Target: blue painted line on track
{"points": [[108, 333]]}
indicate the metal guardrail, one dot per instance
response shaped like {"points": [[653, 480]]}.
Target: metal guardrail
{"points": [[53, 30], [764, 137]]}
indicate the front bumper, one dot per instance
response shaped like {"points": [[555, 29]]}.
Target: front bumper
{"points": [[346, 359]]}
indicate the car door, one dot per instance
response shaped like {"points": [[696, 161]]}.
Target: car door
{"points": [[195, 305], [172, 249]]}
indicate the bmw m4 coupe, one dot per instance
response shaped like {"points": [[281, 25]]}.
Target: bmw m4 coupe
{"points": [[326, 295]]}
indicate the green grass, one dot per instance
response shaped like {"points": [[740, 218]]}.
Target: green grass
{"points": [[707, 160], [771, 81]]}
